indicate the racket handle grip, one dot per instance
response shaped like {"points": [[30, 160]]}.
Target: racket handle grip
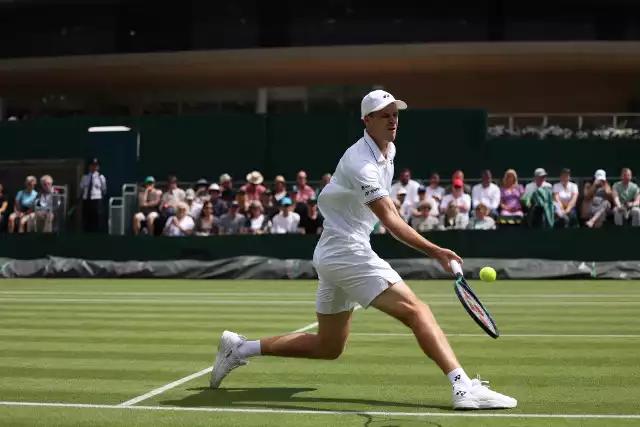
{"points": [[456, 267]]}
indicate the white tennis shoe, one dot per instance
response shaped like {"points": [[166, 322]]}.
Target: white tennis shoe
{"points": [[227, 357], [479, 396]]}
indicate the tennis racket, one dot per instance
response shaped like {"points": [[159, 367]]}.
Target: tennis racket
{"points": [[472, 303]]}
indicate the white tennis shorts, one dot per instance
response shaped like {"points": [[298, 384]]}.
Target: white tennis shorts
{"points": [[350, 278]]}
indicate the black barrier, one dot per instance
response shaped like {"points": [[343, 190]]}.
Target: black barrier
{"points": [[606, 244]]}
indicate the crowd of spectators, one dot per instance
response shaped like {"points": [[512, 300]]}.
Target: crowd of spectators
{"points": [[34, 207], [217, 208]]}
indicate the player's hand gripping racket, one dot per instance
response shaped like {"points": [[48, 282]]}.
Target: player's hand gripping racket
{"points": [[471, 303]]}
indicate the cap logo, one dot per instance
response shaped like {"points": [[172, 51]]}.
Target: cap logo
{"points": [[385, 96]]}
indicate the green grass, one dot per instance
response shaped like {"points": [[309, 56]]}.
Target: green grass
{"points": [[105, 342]]}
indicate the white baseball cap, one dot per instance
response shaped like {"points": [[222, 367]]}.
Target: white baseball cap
{"points": [[401, 191], [600, 175], [540, 172], [377, 100]]}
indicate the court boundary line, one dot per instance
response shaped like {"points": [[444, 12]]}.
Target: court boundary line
{"points": [[323, 412], [408, 334], [166, 387]]}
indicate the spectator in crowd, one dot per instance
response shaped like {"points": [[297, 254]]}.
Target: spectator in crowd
{"points": [[254, 187], [205, 225], [225, 182], [510, 195], [286, 221], [193, 203], [45, 205], [180, 224], [456, 206], [466, 189], [598, 199], [407, 184], [398, 206], [423, 219], [231, 222], [220, 207], [149, 204], [257, 222], [539, 181], [311, 222], [303, 191], [93, 188], [168, 202], [24, 205], [243, 203], [434, 190], [4, 205], [565, 196], [423, 197], [626, 200], [326, 178], [482, 220], [279, 188], [201, 189], [269, 208], [486, 193], [406, 206]]}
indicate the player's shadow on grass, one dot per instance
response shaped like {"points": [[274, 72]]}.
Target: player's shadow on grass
{"points": [[278, 398]]}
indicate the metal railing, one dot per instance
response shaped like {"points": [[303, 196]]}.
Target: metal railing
{"points": [[573, 120]]}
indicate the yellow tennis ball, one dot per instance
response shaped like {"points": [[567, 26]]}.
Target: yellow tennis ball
{"points": [[488, 274]]}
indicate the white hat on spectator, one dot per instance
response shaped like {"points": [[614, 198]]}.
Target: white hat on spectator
{"points": [[214, 187], [377, 100], [401, 190], [190, 194], [600, 175], [540, 172], [225, 177], [255, 178]]}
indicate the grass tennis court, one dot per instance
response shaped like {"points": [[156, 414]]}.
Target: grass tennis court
{"points": [[79, 349]]}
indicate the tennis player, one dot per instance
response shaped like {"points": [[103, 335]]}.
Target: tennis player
{"points": [[351, 273]]}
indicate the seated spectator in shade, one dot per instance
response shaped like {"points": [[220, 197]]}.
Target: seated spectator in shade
{"points": [[206, 222], [257, 222], [149, 204], [597, 201], [481, 220], [24, 205], [434, 190], [423, 197], [268, 205], [193, 203], [302, 191], [626, 200], [231, 222], [180, 224], [220, 207], [279, 188], [4, 205], [510, 195], [539, 181], [458, 175], [286, 221], [243, 203], [423, 219], [170, 199], [462, 203], [225, 182], [565, 196], [406, 206], [408, 185], [254, 187], [486, 193], [202, 190], [44, 208], [311, 222], [326, 178]]}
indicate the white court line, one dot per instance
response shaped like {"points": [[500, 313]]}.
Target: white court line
{"points": [[198, 374], [292, 302], [391, 334], [480, 414]]}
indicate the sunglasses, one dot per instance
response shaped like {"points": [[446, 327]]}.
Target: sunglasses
{"points": [[457, 186]]}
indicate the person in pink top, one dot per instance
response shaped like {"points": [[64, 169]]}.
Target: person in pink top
{"points": [[254, 187], [303, 191], [510, 194]]}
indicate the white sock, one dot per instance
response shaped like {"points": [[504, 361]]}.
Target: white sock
{"points": [[249, 349], [458, 376]]}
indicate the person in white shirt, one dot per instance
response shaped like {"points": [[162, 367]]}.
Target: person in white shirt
{"points": [[434, 190], [486, 193], [565, 196], [481, 220], [93, 189], [457, 195], [194, 203], [423, 196], [540, 181], [408, 184], [406, 206], [286, 221], [350, 273], [181, 224]]}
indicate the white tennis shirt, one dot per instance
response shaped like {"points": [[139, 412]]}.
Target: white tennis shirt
{"points": [[363, 175]]}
